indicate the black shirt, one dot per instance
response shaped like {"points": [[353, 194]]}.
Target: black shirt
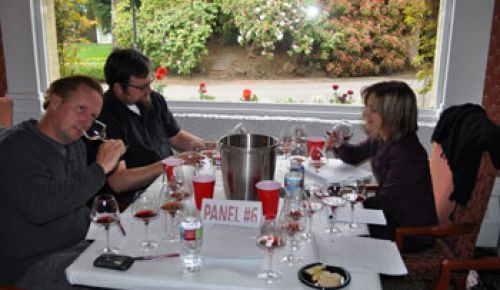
{"points": [[146, 135]]}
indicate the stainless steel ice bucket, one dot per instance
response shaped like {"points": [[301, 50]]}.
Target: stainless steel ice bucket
{"points": [[246, 159]]}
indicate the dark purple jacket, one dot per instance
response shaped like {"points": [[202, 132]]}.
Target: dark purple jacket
{"points": [[405, 188]]}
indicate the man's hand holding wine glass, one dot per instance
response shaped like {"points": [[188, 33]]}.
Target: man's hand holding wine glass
{"points": [[109, 154]]}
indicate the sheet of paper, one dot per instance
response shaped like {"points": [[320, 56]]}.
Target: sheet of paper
{"points": [[361, 215], [361, 254], [336, 171], [223, 241]]}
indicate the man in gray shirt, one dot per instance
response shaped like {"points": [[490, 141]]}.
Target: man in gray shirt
{"points": [[45, 183]]}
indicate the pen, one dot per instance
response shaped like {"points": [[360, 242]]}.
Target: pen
{"points": [[143, 258]]}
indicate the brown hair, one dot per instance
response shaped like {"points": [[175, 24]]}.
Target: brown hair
{"points": [[397, 105], [65, 87]]}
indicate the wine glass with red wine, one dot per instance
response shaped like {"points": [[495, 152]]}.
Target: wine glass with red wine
{"points": [[170, 205], [145, 208], [104, 212]]}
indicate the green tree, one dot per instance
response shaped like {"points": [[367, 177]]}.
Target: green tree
{"points": [[71, 26], [102, 12]]}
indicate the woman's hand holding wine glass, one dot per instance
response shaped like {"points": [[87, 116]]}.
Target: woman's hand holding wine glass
{"points": [[104, 212]]}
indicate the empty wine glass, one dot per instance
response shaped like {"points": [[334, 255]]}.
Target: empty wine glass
{"points": [[170, 205], [292, 221], [311, 204], [238, 129], [343, 131], [104, 212], [353, 192], [285, 144], [145, 208], [271, 237], [97, 131], [299, 133], [180, 183]]}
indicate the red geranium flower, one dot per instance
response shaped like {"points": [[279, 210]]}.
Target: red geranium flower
{"points": [[203, 91], [202, 84], [247, 94], [350, 92], [335, 87], [161, 72]]}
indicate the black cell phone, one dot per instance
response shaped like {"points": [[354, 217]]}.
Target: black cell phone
{"points": [[113, 261]]}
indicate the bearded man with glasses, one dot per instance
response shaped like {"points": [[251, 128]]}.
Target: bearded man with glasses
{"points": [[139, 116]]}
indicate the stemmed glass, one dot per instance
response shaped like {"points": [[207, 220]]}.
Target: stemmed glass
{"points": [[170, 205], [104, 212], [333, 200], [145, 208], [97, 131], [178, 183], [285, 142], [271, 237], [311, 204], [318, 160], [353, 192], [292, 221], [299, 133]]}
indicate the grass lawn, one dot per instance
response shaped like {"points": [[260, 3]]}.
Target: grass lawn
{"points": [[94, 52]]}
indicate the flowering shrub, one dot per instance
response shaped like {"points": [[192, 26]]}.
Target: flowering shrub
{"points": [[362, 37], [170, 32], [348, 38], [160, 75], [341, 98], [248, 97], [263, 24], [202, 91]]}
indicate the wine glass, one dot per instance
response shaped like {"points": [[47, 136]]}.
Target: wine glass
{"points": [[171, 205], [299, 133], [311, 204], [97, 131], [353, 192], [180, 184], [292, 221], [317, 160], [343, 131], [285, 142], [333, 199], [104, 212], [271, 237], [145, 208]]}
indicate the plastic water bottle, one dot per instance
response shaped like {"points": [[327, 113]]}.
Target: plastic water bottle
{"points": [[191, 235], [293, 183]]}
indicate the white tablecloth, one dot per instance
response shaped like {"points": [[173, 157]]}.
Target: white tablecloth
{"points": [[229, 263]]}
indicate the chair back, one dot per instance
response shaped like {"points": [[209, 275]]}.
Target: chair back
{"points": [[463, 245]]}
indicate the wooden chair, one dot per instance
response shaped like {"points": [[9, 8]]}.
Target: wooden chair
{"points": [[6, 111], [454, 240], [450, 266]]}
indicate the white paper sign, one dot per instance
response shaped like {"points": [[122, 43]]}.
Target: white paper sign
{"points": [[231, 212]]}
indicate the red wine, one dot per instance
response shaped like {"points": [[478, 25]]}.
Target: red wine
{"points": [[172, 206], [145, 214], [105, 220]]}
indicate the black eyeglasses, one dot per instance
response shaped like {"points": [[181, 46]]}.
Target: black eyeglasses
{"points": [[141, 88], [144, 86]]}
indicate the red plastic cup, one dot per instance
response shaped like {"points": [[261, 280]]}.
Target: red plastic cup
{"points": [[169, 164], [203, 187], [269, 193], [312, 142]]}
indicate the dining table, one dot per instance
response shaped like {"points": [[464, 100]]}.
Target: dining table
{"points": [[231, 257]]}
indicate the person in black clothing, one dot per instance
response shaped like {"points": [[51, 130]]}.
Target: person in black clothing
{"points": [[140, 117], [399, 162], [45, 182]]}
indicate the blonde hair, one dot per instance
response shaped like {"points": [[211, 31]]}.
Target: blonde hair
{"points": [[397, 105]]}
